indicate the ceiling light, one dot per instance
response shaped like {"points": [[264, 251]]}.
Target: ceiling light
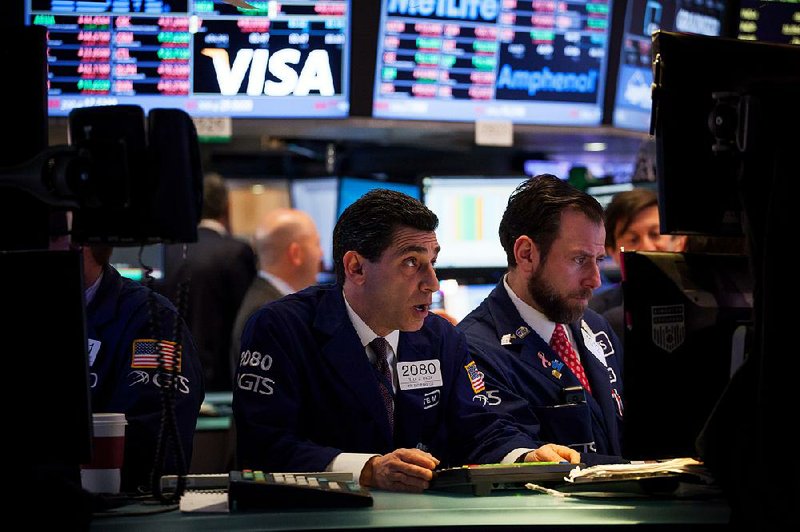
{"points": [[594, 146]]}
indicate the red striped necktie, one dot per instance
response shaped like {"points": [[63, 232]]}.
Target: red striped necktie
{"points": [[560, 344]]}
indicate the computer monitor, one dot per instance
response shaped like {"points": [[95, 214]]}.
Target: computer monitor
{"points": [[352, 188], [133, 262], [523, 62], [774, 21], [689, 321], [318, 197], [704, 112], [632, 101], [605, 193], [208, 58], [459, 299], [470, 209]]}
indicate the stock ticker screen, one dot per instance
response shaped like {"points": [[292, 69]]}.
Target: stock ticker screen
{"points": [[633, 100], [524, 61], [209, 58], [770, 21]]}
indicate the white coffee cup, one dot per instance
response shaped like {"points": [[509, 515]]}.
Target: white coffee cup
{"points": [[102, 474]]}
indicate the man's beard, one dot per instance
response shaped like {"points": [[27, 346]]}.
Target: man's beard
{"points": [[556, 308]]}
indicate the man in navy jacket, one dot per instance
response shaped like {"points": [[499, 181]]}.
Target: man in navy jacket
{"points": [[554, 239], [308, 396], [125, 322]]}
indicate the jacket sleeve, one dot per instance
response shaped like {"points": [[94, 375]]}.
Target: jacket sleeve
{"points": [[489, 434]]}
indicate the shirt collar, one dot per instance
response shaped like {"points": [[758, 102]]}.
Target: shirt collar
{"points": [[365, 334], [214, 225], [279, 284], [535, 319], [90, 291]]}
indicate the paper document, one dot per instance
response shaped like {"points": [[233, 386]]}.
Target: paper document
{"points": [[204, 501], [688, 466]]}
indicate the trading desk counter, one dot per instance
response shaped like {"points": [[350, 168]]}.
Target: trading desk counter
{"points": [[435, 511]]}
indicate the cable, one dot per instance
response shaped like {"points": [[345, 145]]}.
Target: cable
{"points": [[170, 352]]}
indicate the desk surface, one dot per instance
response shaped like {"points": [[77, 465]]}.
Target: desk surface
{"points": [[517, 509]]}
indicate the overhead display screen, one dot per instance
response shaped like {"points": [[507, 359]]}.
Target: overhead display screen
{"points": [[524, 61], [285, 59], [770, 21], [633, 101]]}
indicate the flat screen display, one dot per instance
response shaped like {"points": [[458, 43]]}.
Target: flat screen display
{"points": [[133, 262], [524, 61], [632, 101], [772, 21], [605, 193], [469, 209], [352, 188], [318, 197], [458, 300], [688, 317], [209, 58]]}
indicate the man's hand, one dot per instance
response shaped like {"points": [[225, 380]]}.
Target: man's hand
{"points": [[400, 470], [553, 453]]}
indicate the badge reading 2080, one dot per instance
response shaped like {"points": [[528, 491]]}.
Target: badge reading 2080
{"points": [[419, 374]]}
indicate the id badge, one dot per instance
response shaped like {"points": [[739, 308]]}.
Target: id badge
{"points": [[419, 374]]}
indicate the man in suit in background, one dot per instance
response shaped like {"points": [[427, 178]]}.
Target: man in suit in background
{"points": [[289, 257], [126, 325], [218, 269]]}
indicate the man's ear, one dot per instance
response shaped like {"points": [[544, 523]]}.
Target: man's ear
{"points": [[526, 253], [354, 267], [295, 252]]}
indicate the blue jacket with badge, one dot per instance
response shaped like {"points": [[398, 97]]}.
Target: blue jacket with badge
{"points": [[124, 377], [305, 392], [525, 378]]}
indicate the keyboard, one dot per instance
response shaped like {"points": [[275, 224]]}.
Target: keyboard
{"points": [[256, 490], [219, 481], [484, 478]]}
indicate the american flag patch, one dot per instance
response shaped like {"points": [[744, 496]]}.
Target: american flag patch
{"points": [[145, 354], [475, 377]]}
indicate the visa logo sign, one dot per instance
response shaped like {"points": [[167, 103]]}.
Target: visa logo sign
{"points": [[314, 75]]}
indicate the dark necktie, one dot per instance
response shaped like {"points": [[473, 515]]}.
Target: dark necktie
{"points": [[560, 344], [381, 348]]}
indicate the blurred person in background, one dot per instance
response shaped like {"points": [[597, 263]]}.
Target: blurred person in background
{"points": [[632, 224], [218, 269]]}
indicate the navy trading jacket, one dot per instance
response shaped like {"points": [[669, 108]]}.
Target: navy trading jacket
{"points": [[123, 372], [526, 379], [305, 391]]}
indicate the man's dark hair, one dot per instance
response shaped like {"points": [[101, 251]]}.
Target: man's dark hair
{"points": [[215, 196], [623, 208], [534, 209], [368, 225]]}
